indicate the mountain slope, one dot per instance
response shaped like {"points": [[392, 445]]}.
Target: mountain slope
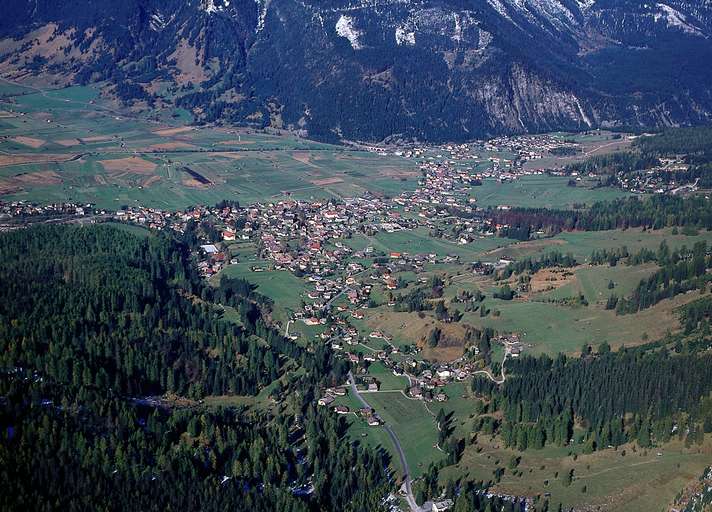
{"points": [[368, 70]]}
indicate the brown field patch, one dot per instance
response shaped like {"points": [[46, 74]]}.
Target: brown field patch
{"points": [[167, 132], [451, 346], [96, 138], [550, 279], [18, 182], [39, 178], [327, 181], [100, 179], [413, 329], [134, 165], [193, 183], [7, 187], [19, 159], [303, 157], [169, 146], [391, 172], [150, 181], [68, 142], [231, 155], [6, 114], [29, 141]]}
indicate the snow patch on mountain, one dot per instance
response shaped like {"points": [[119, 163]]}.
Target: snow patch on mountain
{"points": [[264, 5], [675, 19], [585, 5], [157, 23], [211, 7], [405, 37], [345, 28], [484, 40], [498, 6]]}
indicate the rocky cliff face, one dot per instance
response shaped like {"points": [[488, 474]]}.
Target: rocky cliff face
{"points": [[371, 69]]}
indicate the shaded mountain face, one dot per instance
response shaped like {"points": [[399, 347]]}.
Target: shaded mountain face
{"points": [[376, 69]]}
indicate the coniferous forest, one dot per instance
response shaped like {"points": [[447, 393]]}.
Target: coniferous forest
{"points": [[618, 397], [96, 324], [93, 322]]}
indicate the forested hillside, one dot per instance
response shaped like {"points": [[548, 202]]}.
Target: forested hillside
{"points": [[98, 326], [649, 212], [93, 319], [631, 395]]}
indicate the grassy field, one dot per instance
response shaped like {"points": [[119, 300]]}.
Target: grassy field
{"points": [[540, 191], [418, 241], [582, 243], [546, 326], [413, 425], [551, 328], [72, 144], [592, 282], [639, 481], [374, 437], [389, 382], [285, 289]]}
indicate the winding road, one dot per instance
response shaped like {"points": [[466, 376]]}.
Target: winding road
{"points": [[491, 377], [410, 498]]}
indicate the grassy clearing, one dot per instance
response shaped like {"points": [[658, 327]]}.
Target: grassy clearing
{"points": [[389, 382], [418, 241], [285, 289], [131, 228], [374, 437], [581, 244], [540, 192], [592, 282], [640, 481], [281, 286], [413, 425], [551, 328]]}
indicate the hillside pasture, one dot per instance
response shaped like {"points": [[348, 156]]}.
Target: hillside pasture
{"points": [[628, 479], [413, 424]]}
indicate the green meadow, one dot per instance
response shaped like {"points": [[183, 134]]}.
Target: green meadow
{"points": [[55, 145], [540, 191], [414, 426], [627, 479]]}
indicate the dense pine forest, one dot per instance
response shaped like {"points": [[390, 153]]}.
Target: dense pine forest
{"points": [[96, 324], [642, 395], [93, 319], [652, 212], [100, 307]]}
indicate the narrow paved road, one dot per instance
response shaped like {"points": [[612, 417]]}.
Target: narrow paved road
{"points": [[404, 463], [491, 377]]}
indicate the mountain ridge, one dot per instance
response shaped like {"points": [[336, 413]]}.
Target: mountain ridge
{"points": [[411, 69]]}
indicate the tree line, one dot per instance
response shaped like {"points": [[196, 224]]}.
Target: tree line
{"points": [[94, 318], [617, 397]]}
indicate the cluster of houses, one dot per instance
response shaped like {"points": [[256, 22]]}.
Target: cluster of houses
{"points": [[530, 147], [309, 236], [27, 209], [332, 394], [651, 180]]}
